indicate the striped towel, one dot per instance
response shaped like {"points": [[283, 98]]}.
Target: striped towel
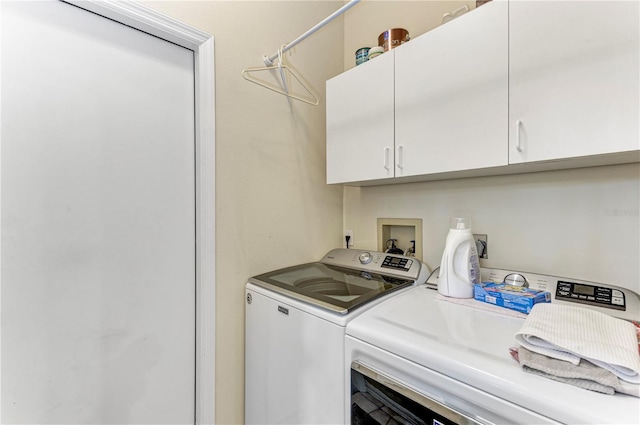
{"points": [[572, 333]]}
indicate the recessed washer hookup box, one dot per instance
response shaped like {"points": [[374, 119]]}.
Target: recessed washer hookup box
{"points": [[513, 297]]}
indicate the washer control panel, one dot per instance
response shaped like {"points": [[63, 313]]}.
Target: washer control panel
{"points": [[378, 262], [398, 263], [591, 294]]}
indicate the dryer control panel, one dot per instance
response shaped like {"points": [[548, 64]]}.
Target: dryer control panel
{"points": [[609, 299], [591, 294]]}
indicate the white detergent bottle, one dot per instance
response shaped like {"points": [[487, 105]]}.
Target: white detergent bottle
{"points": [[460, 268]]}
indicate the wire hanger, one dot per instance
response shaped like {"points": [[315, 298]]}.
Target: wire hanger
{"points": [[311, 98]]}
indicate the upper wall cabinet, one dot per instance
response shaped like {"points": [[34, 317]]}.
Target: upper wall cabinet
{"points": [[436, 104], [573, 79], [509, 87], [451, 93]]}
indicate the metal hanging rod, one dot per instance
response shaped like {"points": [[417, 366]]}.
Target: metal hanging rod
{"points": [[268, 60]]}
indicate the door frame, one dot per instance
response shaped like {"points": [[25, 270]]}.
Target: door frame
{"points": [[140, 17]]}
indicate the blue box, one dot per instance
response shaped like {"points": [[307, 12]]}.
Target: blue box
{"points": [[513, 297]]}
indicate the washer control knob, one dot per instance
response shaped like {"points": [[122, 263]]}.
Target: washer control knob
{"points": [[365, 258]]}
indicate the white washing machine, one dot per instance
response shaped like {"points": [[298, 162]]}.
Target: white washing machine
{"points": [[295, 331], [428, 360]]}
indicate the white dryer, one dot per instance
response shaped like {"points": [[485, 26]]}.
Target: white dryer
{"points": [[295, 331], [428, 360]]}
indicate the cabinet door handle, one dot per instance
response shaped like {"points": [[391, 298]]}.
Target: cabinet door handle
{"points": [[400, 157], [518, 145], [386, 158]]}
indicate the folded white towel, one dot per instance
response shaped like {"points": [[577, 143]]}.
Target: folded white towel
{"points": [[570, 333]]}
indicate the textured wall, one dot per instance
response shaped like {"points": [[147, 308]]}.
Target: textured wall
{"points": [[273, 208], [581, 223]]}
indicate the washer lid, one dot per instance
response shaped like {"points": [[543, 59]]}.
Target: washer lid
{"points": [[335, 288]]}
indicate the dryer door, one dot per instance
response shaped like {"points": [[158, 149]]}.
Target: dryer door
{"points": [[429, 396], [377, 397]]}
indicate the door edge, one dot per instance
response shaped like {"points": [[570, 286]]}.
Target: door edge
{"points": [[142, 18]]}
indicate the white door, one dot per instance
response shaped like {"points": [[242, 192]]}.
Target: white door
{"points": [[574, 89], [360, 135], [98, 221], [451, 95]]}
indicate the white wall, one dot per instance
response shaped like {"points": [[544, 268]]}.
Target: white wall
{"points": [[273, 208], [581, 223]]}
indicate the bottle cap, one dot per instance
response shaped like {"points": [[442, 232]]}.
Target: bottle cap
{"points": [[460, 223]]}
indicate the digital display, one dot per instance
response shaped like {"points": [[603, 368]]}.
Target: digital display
{"points": [[397, 263], [583, 289]]}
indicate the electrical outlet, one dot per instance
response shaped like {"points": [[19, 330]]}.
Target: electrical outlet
{"points": [[350, 234], [482, 245]]}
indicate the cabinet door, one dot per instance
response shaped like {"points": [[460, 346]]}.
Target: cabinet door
{"points": [[573, 88], [360, 115], [451, 95]]}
